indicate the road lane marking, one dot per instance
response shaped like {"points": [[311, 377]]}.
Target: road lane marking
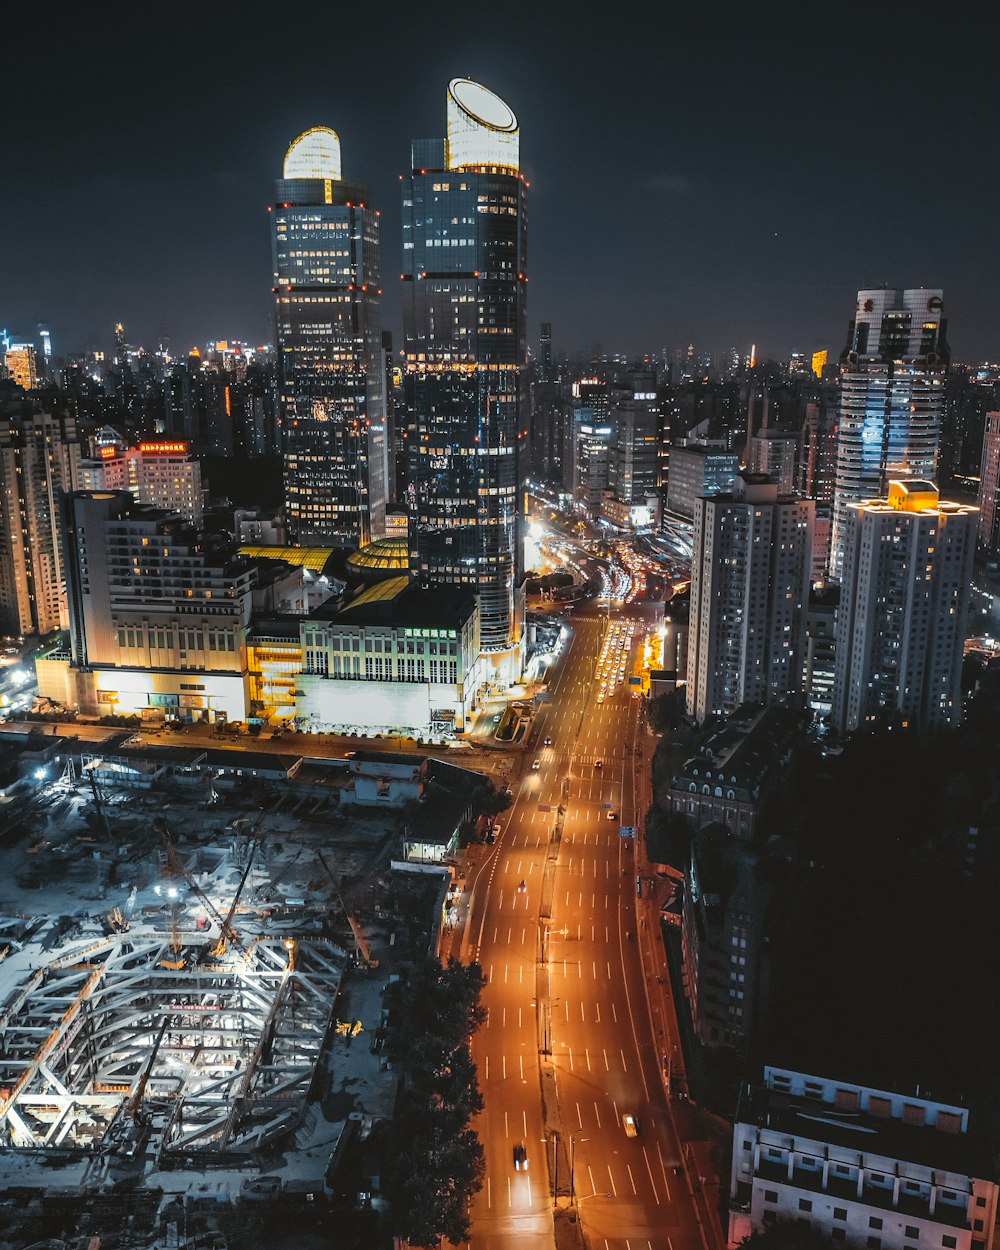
{"points": [[632, 1179], [520, 1060], [578, 1115], [607, 1066], [614, 1187], [598, 1006], [519, 1017], [567, 1010], [509, 932], [587, 1053], [663, 1169], [598, 1114], [649, 1169], [487, 1067], [509, 1200], [583, 1018], [505, 971], [593, 1187], [570, 1049], [506, 1126]]}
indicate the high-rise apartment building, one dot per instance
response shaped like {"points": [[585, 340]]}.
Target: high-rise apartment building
{"points": [[989, 486], [750, 575], [325, 249], [904, 604], [697, 468], [39, 458], [464, 283], [775, 452], [892, 375]]}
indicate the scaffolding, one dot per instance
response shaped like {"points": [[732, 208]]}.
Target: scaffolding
{"points": [[107, 1050]]}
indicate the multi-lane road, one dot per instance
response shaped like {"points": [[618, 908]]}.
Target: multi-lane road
{"points": [[568, 1048]]}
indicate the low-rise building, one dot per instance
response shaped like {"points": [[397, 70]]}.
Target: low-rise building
{"points": [[725, 782], [397, 657], [873, 1168]]}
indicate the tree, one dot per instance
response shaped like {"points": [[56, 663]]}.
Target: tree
{"points": [[787, 1235]]}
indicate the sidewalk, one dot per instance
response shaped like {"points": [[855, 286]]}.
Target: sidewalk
{"points": [[687, 1119]]}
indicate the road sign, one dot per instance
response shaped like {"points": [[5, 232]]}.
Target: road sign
{"points": [[627, 831]]}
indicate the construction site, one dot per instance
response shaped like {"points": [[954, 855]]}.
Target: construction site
{"points": [[193, 964]]}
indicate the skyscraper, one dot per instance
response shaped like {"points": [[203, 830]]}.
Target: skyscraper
{"points": [[39, 459], [989, 486], [892, 375], [464, 276], [750, 572], [325, 249], [904, 604]]}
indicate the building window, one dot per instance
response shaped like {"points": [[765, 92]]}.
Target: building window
{"points": [[874, 1243], [805, 1204], [912, 1232], [977, 1226], [770, 1195], [948, 1242], [840, 1213], [874, 1222]]}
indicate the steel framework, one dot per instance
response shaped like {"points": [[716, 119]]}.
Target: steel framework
{"points": [[230, 1071]]}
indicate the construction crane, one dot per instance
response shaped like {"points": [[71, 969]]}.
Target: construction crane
{"points": [[228, 933], [175, 869], [135, 1102], [364, 950]]}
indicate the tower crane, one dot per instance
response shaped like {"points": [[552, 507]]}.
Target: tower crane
{"points": [[364, 950]]}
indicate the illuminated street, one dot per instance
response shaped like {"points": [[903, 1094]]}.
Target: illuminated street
{"points": [[586, 1002]]}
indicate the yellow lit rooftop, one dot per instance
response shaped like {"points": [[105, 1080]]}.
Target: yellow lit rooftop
{"points": [[312, 558]]}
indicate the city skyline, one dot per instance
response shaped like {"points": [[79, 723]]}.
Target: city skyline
{"points": [[737, 224]]}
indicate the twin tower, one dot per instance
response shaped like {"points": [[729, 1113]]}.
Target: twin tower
{"points": [[456, 423]]}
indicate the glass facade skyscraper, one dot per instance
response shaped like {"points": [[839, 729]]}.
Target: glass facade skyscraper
{"points": [[464, 279], [325, 250], [891, 401]]}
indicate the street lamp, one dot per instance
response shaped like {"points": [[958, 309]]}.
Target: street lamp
{"points": [[573, 1165]]}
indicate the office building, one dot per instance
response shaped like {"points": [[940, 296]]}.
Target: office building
{"points": [[989, 487], [892, 398], [904, 605], [698, 468], [158, 615], [325, 249], [21, 364], [159, 472], [750, 575], [39, 458], [464, 284], [633, 462], [872, 1168]]}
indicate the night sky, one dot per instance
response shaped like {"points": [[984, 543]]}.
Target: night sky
{"points": [[694, 176]]}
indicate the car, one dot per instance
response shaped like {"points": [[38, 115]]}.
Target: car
{"points": [[548, 742], [520, 1158], [630, 1124], [612, 815], [522, 887], [598, 763], [536, 766]]}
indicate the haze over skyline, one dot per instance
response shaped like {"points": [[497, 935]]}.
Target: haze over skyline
{"points": [[690, 180]]}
